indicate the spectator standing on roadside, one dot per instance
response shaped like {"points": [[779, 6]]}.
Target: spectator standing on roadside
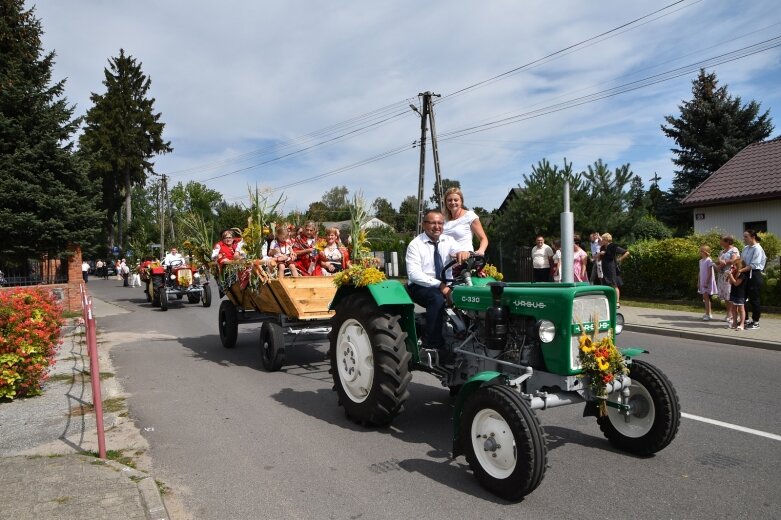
{"points": [[595, 244], [737, 295], [99, 268], [579, 261], [117, 265], [85, 271], [728, 255], [556, 261], [611, 258], [754, 260], [124, 272], [542, 256], [706, 282]]}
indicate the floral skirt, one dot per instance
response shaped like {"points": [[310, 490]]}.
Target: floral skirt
{"points": [[724, 287]]}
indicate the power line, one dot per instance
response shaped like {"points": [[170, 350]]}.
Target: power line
{"points": [[582, 100], [560, 52]]}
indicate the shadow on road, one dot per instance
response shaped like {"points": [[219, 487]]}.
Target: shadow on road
{"points": [[426, 420]]}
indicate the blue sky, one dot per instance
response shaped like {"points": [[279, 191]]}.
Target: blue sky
{"points": [[239, 84]]}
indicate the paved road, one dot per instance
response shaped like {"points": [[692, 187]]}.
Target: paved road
{"points": [[236, 442]]}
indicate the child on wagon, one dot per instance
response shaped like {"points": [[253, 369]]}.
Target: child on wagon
{"points": [[281, 251]]}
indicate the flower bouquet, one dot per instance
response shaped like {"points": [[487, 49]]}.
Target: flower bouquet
{"points": [[364, 270], [602, 363]]}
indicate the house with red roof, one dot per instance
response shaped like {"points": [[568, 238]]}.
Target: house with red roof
{"points": [[743, 194]]}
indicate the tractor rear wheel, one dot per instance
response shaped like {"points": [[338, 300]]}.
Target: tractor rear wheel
{"points": [[369, 361], [503, 442], [654, 416], [206, 297], [148, 292], [272, 346], [163, 299], [228, 323]]}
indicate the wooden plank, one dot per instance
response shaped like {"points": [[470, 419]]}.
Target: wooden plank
{"points": [[305, 297]]}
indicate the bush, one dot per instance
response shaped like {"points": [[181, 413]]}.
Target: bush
{"points": [[30, 322], [661, 268], [650, 228]]}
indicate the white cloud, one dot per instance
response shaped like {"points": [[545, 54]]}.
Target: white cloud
{"points": [[234, 77]]}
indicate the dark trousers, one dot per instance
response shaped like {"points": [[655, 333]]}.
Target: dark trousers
{"points": [[125, 277], [434, 301], [542, 275], [85, 275], [753, 287]]}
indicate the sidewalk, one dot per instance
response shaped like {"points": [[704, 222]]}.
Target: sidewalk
{"points": [[44, 471], [689, 325]]}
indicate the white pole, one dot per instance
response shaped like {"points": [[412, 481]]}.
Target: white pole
{"points": [[567, 239]]}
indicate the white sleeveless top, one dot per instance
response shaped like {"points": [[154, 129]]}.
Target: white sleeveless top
{"points": [[461, 230]]}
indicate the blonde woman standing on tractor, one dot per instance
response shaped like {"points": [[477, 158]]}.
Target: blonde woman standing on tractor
{"points": [[463, 224]]}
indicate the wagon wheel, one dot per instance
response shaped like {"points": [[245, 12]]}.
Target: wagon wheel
{"points": [[206, 297], [272, 346], [228, 322]]}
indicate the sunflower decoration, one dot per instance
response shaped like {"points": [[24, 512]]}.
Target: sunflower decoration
{"points": [[602, 362]]}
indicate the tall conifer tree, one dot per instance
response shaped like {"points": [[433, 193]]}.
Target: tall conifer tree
{"points": [[712, 127], [122, 135], [46, 199]]}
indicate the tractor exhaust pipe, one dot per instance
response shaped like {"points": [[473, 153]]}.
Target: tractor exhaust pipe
{"points": [[567, 239]]}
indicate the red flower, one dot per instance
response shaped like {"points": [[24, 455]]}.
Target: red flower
{"points": [[607, 378]]}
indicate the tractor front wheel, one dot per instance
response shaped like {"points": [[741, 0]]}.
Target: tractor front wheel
{"points": [[369, 361], [228, 323], [503, 442], [654, 414], [163, 299], [272, 346]]}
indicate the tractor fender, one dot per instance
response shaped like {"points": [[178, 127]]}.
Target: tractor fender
{"points": [[388, 294], [631, 352], [468, 388]]}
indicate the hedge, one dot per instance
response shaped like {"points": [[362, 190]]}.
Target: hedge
{"points": [[30, 322]]}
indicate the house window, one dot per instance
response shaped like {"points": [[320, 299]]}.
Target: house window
{"points": [[760, 226]]}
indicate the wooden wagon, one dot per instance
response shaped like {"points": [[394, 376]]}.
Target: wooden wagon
{"points": [[290, 305]]}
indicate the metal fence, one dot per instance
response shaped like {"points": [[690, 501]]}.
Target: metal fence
{"points": [[35, 272]]}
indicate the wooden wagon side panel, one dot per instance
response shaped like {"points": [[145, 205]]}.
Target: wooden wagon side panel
{"points": [[305, 297]]}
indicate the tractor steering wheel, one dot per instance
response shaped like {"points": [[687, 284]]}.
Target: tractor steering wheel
{"points": [[474, 261]]}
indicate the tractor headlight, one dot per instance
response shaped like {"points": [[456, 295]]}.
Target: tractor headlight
{"points": [[619, 323], [173, 277], [197, 275], [546, 331]]}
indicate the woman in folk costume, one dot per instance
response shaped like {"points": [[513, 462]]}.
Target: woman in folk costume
{"points": [[334, 256], [305, 247]]}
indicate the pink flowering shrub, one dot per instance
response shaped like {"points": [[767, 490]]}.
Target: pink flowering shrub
{"points": [[30, 322]]}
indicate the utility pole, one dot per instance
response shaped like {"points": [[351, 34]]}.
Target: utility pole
{"points": [[425, 117], [163, 190]]}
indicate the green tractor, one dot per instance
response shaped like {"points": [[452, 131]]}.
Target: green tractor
{"points": [[516, 350]]}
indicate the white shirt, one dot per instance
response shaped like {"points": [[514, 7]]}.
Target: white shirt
{"points": [[420, 258], [541, 256], [461, 230], [754, 256], [84, 267], [171, 257]]}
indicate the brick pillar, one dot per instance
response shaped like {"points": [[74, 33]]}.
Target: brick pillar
{"points": [[75, 278]]}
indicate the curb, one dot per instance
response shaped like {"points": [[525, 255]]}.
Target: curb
{"points": [[154, 507], [699, 336]]}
